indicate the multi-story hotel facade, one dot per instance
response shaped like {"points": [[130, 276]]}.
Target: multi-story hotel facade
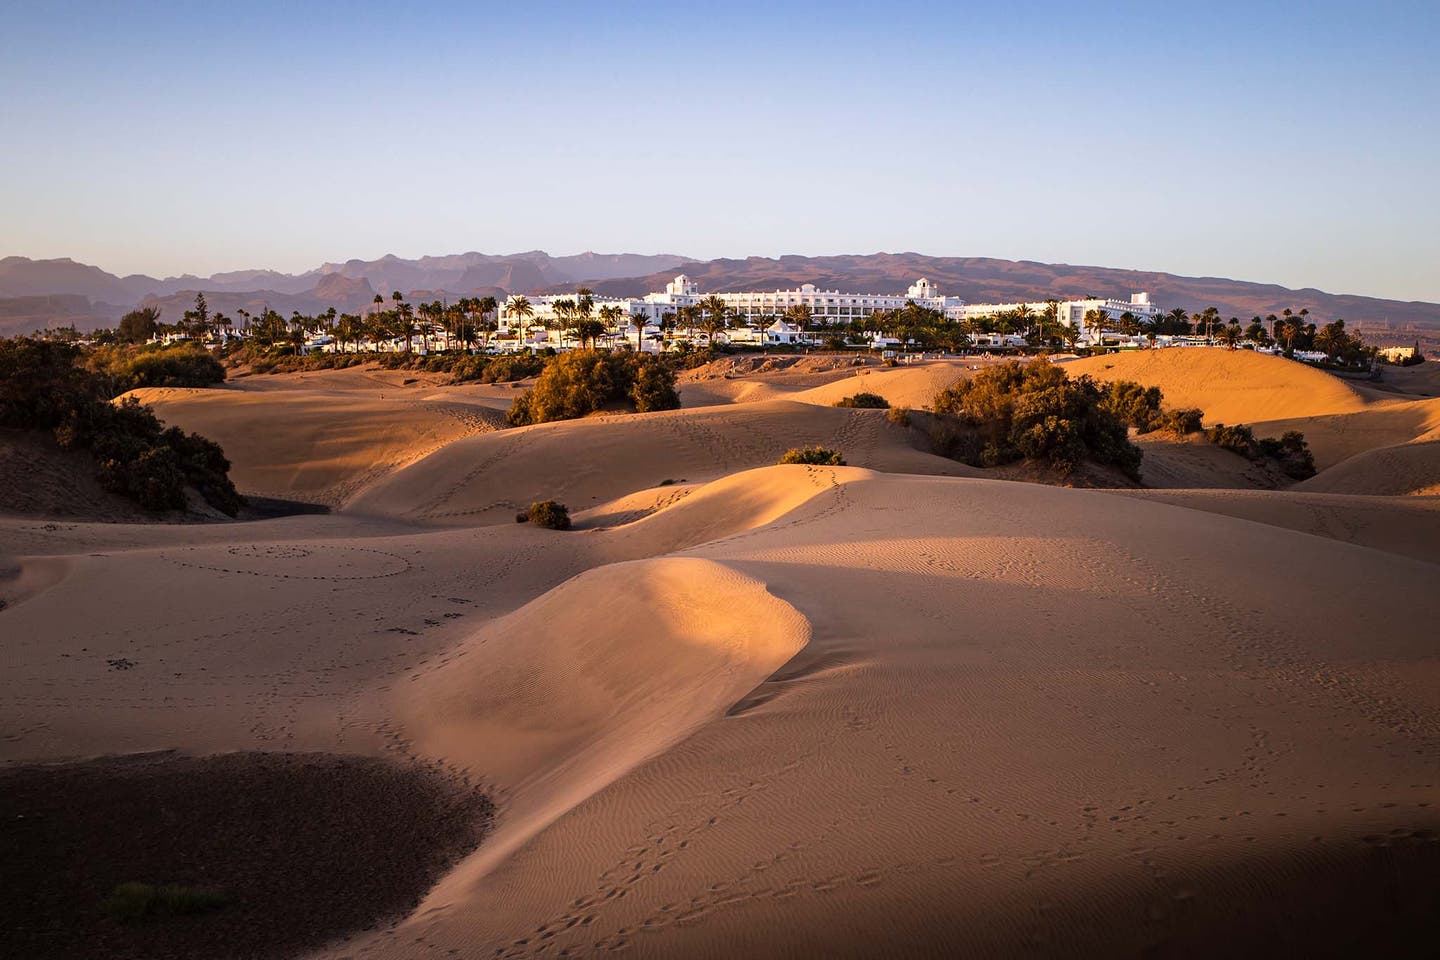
{"points": [[829, 306]]}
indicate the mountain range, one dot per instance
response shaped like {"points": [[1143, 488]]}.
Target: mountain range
{"points": [[38, 293]]}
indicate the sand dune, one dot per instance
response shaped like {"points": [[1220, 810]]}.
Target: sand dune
{"points": [[816, 710], [1196, 464], [582, 463], [1338, 437], [321, 446], [1406, 469], [555, 707], [787, 710], [908, 386], [1409, 526], [1231, 386], [956, 757]]}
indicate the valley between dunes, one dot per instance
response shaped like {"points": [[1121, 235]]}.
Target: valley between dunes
{"points": [[899, 707]]}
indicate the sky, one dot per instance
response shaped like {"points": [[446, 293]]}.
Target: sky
{"points": [[1293, 143]]}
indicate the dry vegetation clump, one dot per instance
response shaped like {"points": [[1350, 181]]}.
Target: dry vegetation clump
{"points": [[126, 367], [583, 382], [550, 514], [1289, 452], [813, 456], [1035, 411], [44, 387], [864, 401], [900, 416]]}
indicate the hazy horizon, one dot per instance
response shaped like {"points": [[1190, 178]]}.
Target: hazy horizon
{"points": [[1278, 146]]}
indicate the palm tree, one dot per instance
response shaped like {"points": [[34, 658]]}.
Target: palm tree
{"points": [[519, 306], [1072, 337], [1097, 320], [1230, 335], [716, 311], [565, 316], [639, 321], [610, 316], [488, 308], [801, 315]]}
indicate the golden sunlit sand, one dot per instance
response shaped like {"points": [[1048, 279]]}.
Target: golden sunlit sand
{"points": [[898, 707]]}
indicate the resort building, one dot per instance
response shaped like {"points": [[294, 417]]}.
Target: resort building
{"points": [[1071, 313], [826, 306], [759, 316]]}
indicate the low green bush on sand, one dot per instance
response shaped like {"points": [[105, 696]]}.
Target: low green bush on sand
{"points": [[814, 456], [864, 401], [550, 514]]}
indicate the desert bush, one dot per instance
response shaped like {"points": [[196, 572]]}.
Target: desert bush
{"points": [[1131, 404], [900, 416], [814, 456], [1289, 452], [1237, 439], [1034, 411], [131, 902], [506, 368], [550, 514], [585, 381], [129, 367], [864, 401], [42, 386], [1179, 422]]}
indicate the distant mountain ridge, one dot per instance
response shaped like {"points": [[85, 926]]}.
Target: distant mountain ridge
{"points": [[988, 280], [38, 293]]}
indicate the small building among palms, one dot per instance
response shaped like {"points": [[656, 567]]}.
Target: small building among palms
{"points": [[783, 332]]}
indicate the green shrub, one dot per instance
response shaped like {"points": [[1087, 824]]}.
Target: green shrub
{"points": [[865, 401], [1016, 411], [132, 902], [814, 456], [900, 416], [1131, 404], [1181, 423], [1289, 452], [42, 386], [550, 514], [130, 367], [1237, 439], [583, 382]]}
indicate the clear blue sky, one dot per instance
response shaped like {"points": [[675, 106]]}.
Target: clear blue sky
{"points": [[1297, 143]]}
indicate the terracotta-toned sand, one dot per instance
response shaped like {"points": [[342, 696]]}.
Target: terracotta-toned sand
{"points": [[1231, 386], [1406, 469], [321, 445], [582, 463], [789, 711]]}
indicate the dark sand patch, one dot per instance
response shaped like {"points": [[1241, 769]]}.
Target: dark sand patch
{"points": [[304, 847]]}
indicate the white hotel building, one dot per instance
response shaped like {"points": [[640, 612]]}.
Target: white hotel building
{"points": [[831, 306]]}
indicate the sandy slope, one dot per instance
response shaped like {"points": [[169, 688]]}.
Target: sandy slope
{"points": [[1049, 735], [907, 386], [1337, 437], [999, 718], [318, 445], [1194, 463], [1404, 469], [1409, 526], [1231, 386], [583, 463]]}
